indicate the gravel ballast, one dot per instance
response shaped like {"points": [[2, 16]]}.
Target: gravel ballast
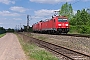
{"points": [[80, 44]]}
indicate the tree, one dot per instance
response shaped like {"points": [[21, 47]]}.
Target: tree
{"points": [[2, 30], [84, 17], [66, 10], [10, 30], [78, 20], [82, 21]]}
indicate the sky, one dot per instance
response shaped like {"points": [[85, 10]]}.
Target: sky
{"points": [[13, 13]]}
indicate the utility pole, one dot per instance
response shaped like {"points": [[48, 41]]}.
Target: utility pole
{"points": [[16, 28], [27, 23], [20, 27]]}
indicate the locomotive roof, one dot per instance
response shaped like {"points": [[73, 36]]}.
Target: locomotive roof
{"points": [[62, 17]]}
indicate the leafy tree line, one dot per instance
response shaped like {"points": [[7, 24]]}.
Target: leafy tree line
{"points": [[81, 18], [9, 30], [80, 22], [2, 30]]}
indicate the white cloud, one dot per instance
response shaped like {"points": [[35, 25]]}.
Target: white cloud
{"points": [[74, 11], [7, 1], [50, 1], [44, 13], [18, 9], [1, 23], [7, 13], [55, 1], [3, 18], [86, 0], [17, 19]]}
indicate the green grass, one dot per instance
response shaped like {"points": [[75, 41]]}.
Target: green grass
{"points": [[1, 35], [42, 38], [36, 53]]}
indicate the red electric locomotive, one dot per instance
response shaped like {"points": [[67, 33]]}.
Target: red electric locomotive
{"points": [[58, 24]]}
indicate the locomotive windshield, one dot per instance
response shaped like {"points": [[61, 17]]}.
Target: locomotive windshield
{"points": [[62, 20]]}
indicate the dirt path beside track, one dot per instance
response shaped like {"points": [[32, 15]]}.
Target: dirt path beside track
{"points": [[10, 48]]}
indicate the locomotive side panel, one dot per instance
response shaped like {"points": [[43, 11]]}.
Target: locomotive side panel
{"points": [[50, 25], [40, 27]]}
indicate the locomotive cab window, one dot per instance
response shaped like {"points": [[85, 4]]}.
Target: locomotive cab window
{"points": [[62, 20]]}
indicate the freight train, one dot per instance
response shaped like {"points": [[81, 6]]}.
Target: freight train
{"points": [[58, 24]]}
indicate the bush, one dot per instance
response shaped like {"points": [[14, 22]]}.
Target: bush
{"points": [[83, 29], [88, 30], [73, 29], [2, 31]]}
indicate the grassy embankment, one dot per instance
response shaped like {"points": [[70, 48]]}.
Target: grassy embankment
{"points": [[1, 35], [34, 52]]}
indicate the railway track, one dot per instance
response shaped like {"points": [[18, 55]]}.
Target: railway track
{"points": [[75, 35], [67, 53]]}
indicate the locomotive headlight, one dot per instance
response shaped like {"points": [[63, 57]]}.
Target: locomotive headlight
{"points": [[66, 24], [59, 24]]}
